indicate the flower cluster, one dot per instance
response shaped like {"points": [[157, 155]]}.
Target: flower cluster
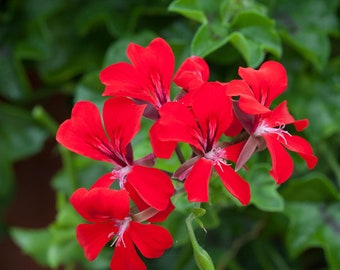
{"points": [[201, 114]]}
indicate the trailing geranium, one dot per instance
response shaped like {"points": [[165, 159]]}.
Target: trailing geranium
{"points": [[224, 124]]}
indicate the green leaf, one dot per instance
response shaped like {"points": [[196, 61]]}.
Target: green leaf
{"points": [[254, 34], [312, 45], [13, 80], [250, 50], [315, 187], [264, 194], [34, 243], [313, 209], [189, 8], [306, 25], [209, 38], [20, 136], [314, 225]]}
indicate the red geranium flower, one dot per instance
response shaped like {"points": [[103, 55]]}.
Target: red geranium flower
{"points": [[109, 213], [270, 127], [201, 126], [147, 78], [85, 135], [258, 88]]}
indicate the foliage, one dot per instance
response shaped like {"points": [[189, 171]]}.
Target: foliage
{"points": [[44, 54]]}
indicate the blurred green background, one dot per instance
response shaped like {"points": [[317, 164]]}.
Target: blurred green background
{"points": [[51, 53]]}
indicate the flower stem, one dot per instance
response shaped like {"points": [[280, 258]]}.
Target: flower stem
{"points": [[202, 258], [40, 115], [179, 154]]}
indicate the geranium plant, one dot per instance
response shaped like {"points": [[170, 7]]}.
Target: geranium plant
{"points": [[223, 123]]}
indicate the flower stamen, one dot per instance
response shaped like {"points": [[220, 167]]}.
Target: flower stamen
{"points": [[120, 174], [118, 237], [263, 129], [217, 156]]}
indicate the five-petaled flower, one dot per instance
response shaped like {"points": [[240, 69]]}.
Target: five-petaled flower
{"points": [[201, 125], [85, 135], [265, 127], [147, 78], [108, 212], [267, 130]]}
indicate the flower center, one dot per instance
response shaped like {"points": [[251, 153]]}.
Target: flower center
{"points": [[120, 174], [263, 128], [118, 237], [217, 156]]}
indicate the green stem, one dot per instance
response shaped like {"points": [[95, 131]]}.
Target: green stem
{"points": [[179, 154], [40, 115], [202, 258]]}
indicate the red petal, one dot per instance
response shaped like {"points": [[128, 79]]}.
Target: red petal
{"points": [[122, 121], [233, 151], [282, 163], [156, 63], [301, 147], [192, 73], [122, 79], [213, 110], [162, 215], [235, 127], [157, 56], [161, 149], [178, 124], [93, 237], [142, 205], [152, 185], [104, 181], [247, 101], [234, 183], [125, 256], [84, 133], [280, 115], [197, 183], [101, 204], [151, 240], [267, 83]]}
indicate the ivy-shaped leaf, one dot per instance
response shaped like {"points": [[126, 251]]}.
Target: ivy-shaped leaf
{"points": [[264, 194], [254, 34], [190, 9], [313, 209], [243, 23]]}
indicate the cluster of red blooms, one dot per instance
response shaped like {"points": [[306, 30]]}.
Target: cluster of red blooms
{"points": [[200, 115]]}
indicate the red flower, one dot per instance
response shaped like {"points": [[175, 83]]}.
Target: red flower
{"points": [[270, 127], [109, 213], [155, 215], [192, 73], [201, 127], [85, 135], [147, 78], [258, 88]]}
